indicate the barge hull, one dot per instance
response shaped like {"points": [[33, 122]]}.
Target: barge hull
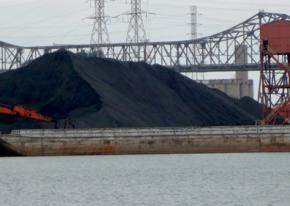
{"points": [[148, 141]]}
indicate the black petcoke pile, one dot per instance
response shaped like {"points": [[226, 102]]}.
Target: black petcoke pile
{"points": [[93, 92]]}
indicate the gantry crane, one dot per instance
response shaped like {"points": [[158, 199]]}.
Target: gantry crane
{"points": [[275, 72]]}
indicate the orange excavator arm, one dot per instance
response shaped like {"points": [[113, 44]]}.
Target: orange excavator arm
{"points": [[24, 112]]}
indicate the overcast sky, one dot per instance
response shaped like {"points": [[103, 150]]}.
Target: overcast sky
{"points": [[44, 22]]}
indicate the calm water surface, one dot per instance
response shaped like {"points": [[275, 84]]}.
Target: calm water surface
{"points": [[185, 180]]}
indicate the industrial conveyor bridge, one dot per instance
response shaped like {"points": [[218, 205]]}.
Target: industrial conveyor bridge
{"points": [[217, 52]]}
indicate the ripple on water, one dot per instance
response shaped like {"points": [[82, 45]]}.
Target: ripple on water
{"points": [[215, 179]]}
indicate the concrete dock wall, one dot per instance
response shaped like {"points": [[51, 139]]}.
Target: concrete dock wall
{"points": [[149, 141]]}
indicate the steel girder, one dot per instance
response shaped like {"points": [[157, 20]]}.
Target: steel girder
{"points": [[201, 55]]}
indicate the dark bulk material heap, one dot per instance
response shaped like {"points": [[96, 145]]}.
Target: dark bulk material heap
{"points": [[99, 93]]}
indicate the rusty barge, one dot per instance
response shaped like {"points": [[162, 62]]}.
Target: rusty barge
{"points": [[147, 141]]}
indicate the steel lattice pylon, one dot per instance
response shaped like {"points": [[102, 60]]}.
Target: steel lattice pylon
{"points": [[100, 34], [136, 31]]}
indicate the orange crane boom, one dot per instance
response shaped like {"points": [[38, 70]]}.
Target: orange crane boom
{"points": [[22, 111]]}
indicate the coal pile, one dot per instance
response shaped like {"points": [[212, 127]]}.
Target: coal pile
{"points": [[91, 92], [247, 104], [251, 106]]}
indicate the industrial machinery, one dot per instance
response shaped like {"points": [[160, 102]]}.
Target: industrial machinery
{"points": [[275, 72], [21, 111]]}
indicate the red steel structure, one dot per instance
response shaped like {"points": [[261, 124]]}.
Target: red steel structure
{"points": [[21, 111], [275, 81]]}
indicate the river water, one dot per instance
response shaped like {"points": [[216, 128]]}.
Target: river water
{"points": [[183, 180]]}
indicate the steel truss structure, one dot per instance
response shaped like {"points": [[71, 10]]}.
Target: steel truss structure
{"points": [[212, 53], [275, 83], [274, 87]]}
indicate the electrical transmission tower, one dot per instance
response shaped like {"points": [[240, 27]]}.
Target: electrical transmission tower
{"points": [[193, 22], [100, 34], [136, 31]]}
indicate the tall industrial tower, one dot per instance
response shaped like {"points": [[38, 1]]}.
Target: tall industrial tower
{"points": [[193, 35], [136, 31], [100, 34], [193, 22]]}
